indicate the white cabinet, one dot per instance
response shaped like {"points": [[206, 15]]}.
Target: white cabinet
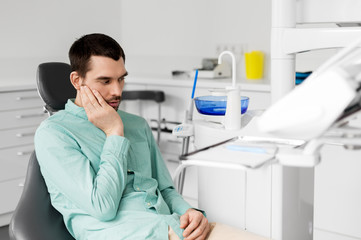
{"points": [[338, 193], [337, 209], [20, 114], [329, 235]]}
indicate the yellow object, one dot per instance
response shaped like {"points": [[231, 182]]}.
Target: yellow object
{"points": [[254, 64]]}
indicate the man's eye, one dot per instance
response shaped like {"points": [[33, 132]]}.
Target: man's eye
{"points": [[106, 82]]}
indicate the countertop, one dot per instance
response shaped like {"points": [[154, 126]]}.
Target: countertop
{"points": [[254, 85], [16, 85]]}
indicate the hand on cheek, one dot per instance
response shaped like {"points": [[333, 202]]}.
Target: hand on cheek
{"points": [[100, 113]]}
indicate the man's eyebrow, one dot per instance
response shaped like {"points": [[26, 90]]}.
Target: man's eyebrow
{"points": [[124, 75], [105, 78]]}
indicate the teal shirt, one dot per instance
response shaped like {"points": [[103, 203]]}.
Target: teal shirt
{"points": [[107, 187]]}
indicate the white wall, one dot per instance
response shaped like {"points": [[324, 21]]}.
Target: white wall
{"points": [[164, 35], [33, 31], [158, 35]]}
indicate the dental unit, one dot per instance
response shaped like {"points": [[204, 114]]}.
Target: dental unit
{"points": [[276, 151], [292, 132], [317, 113]]}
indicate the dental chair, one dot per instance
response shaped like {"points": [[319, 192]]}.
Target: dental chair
{"points": [[34, 217]]}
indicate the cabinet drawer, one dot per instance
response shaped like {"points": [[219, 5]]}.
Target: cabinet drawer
{"points": [[21, 118], [14, 162], [20, 100], [320, 234], [10, 194], [17, 137]]}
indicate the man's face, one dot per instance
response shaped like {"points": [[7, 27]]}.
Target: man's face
{"points": [[107, 77]]}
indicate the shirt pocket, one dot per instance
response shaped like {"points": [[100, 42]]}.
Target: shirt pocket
{"points": [[140, 160]]}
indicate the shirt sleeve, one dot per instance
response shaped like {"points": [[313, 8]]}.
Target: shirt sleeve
{"points": [[67, 171], [160, 172]]}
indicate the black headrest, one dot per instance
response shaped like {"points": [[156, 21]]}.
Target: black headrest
{"points": [[55, 88]]}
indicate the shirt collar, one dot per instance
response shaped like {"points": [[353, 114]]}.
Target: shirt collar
{"points": [[74, 109]]}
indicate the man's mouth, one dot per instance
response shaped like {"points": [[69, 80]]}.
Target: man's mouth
{"points": [[114, 104]]}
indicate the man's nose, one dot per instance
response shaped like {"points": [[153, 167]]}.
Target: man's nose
{"points": [[116, 89]]}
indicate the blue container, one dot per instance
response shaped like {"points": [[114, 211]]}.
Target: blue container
{"points": [[216, 105]]}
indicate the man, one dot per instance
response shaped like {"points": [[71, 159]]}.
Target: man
{"points": [[102, 167]]}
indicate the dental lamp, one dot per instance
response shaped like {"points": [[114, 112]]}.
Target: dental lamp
{"points": [[319, 109]]}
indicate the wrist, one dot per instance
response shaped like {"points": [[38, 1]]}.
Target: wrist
{"points": [[116, 132]]}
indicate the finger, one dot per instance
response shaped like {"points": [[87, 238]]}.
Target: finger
{"points": [[99, 98], [199, 231], [204, 234], [93, 101], [206, 229], [85, 100], [184, 220], [191, 227]]}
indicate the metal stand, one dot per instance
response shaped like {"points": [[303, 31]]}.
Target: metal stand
{"points": [[185, 148]]}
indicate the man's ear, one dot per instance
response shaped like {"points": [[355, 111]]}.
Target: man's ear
{"points": [[76, 80]]}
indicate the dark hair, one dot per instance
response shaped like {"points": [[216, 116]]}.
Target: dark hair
{"points": [[95, 44]]}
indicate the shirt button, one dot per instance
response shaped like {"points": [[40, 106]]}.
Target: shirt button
{"points": [[148, 204], [138, 188]]}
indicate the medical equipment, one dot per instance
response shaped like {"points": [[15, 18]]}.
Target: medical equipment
{"points": [[288, 39], [232, 111], [301, 77], [225, 102], [230, 105], [232, 118], [216, 105], [34, 216], [326, 98], [185, 130], [212, 69], [286, 194], [319, 107]]}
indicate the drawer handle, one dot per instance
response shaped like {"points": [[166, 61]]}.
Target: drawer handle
{"points": [[26, 98], [30, 115], [23, 153], [19, 135]]}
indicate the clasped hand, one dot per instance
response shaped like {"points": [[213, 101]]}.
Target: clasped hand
{"points": [[100, 113], [195, 225]]}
